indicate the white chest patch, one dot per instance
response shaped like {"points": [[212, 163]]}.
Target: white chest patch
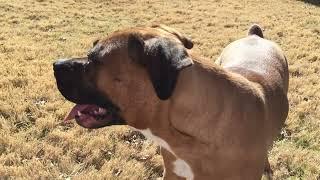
{"points": [[148, 134], [181, 168]]}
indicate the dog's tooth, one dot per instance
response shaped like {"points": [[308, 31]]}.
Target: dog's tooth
{"points": [[102, 111], [79, 113]]}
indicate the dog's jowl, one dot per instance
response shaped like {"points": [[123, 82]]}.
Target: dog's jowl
{"points": [[212, 120]]}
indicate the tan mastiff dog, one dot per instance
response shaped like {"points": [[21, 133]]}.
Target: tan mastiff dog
{"points": [[212, 121]]}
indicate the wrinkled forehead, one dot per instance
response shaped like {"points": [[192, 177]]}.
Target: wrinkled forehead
{"points": [[106, 45], [119, 40], [145, 32]]}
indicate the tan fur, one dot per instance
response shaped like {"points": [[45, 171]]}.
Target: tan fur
{"points": [[221, 119]]}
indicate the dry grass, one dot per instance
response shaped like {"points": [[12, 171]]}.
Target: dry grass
{"points": [[33, 141]]}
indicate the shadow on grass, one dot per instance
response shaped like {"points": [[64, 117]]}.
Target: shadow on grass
{"points": [[313, 2]]}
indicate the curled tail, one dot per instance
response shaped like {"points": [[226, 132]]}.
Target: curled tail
{"points": [[255, 29]]}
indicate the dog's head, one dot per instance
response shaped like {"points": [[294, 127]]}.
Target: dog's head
{"points": [[123, 75]]}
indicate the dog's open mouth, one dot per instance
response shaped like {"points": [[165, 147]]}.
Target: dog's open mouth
{"points": [[91, 116]]}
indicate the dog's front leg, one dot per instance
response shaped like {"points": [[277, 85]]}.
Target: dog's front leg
{"points": [[169, 159], [268, 173]]}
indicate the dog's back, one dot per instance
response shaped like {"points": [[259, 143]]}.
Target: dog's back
{"points": [[263, 62]]}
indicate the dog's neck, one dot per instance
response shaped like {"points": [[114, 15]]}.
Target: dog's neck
{"points": [[210, 103]]}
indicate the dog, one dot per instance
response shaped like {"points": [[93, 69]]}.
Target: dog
{"points": [[212, 120]]}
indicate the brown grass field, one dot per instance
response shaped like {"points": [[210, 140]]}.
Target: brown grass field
{"points": [[34, 143]]}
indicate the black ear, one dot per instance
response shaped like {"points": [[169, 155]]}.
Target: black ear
{"points": [[164, 60]]}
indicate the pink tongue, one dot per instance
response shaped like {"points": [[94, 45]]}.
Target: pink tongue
{"points": [[75, 111]]}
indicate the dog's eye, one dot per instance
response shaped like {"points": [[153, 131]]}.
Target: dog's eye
{"points": [[117, 79], [95, 42], [92, 56]]}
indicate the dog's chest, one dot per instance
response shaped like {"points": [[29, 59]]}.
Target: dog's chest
{"points": [[148, 134], [181, 168]]}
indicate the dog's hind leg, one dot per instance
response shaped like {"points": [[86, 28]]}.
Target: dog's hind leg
{"points": [[268, 173]]}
